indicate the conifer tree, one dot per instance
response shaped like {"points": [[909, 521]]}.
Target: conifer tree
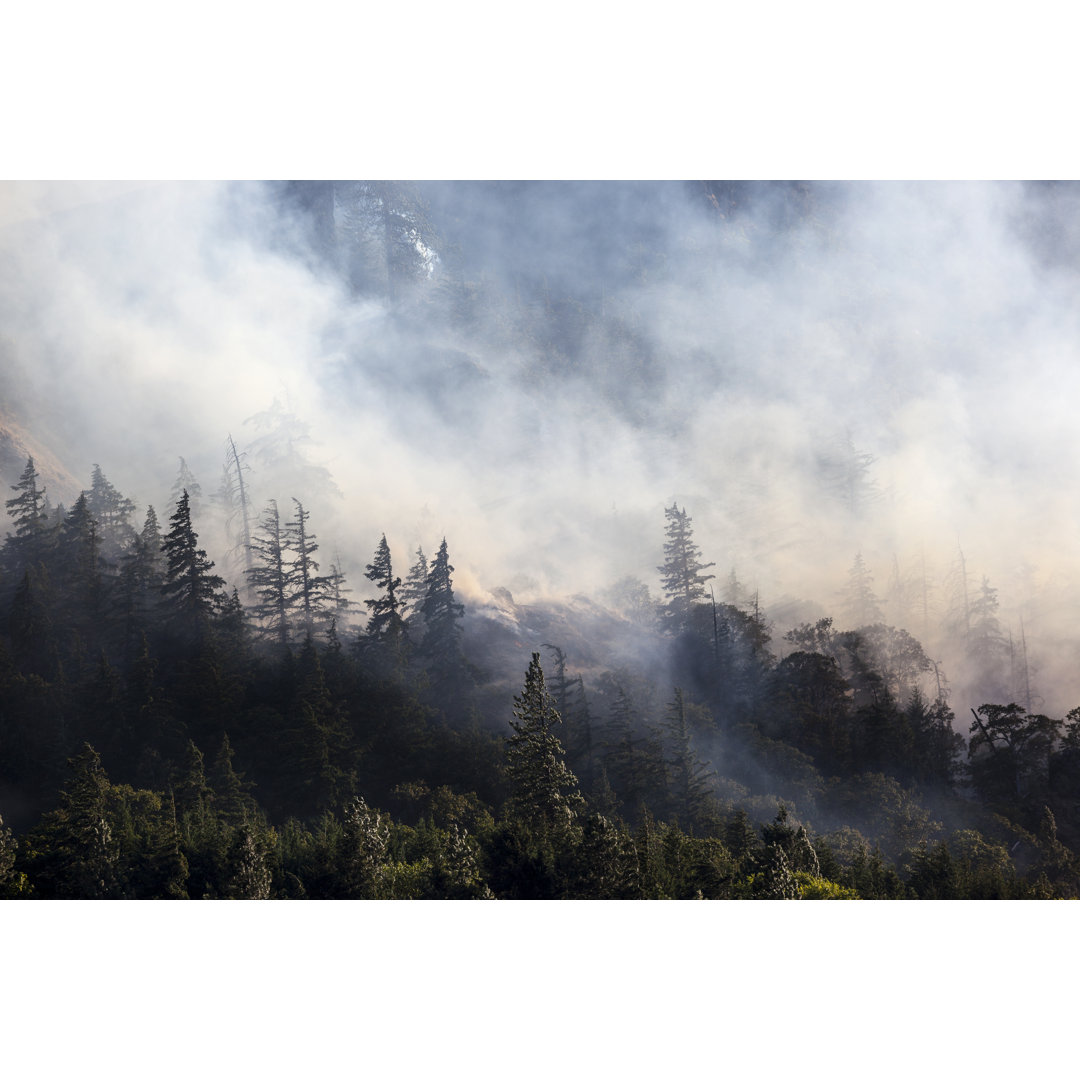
{"points": [[543, 791], [142, 573], [860, 605], [361, 856], [111, 511], [81, 583], [247, 874], [268, 577], [682, 570], [189, 587], [185, 484], [442, 616], [310, 592], [414, 592], [688, 776], [385, 624], [28, 511]]}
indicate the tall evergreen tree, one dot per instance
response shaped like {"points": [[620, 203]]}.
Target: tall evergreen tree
{"points": [[268, 577], [543, 791], [442, 616], [310, 592], [111, 511], [385, 623], [688, 776], [185, 484], [142, 573], [414, 592], [28, 511], [682, 570], [860, 605], [189, 588]]}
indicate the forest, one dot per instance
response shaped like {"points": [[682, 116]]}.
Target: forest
{"points": [[598, 541], [163, 736]]}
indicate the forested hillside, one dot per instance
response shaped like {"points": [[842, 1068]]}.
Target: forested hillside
{"points": [[539, 541], [164, 737]]}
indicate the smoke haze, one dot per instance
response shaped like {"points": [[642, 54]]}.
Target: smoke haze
{"points": [[812, 371]]}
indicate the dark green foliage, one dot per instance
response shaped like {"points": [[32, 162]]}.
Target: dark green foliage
{"points": [[386, 629], [189, 589], [120, 666], [268, 577], [543, 791], [442, 620]]}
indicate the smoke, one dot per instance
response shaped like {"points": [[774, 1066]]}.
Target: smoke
{"points": [[813, 371]]}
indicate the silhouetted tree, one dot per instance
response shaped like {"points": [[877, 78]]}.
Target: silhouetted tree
{"points": [[385, 628], [543, 792], [684, 582], [189, 589]]}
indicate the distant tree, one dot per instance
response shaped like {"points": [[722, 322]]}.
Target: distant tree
{"points": [[185, 483], [987, 647], [28, 507], [75, 854], [13, 883], [268, 576], [236, 500], [361, 855], [281, 451], [414, 591], [142, 572], [189, 589], [391, 241], [311, 594], [31, 625], [111, 511], [684, 581], [1009, 751], [81, 585], [734, 594], [248, 874], [543, 791], [442, 616], [846, 475], [688, 775], [860, 605], [385, 623], [340, 606]]}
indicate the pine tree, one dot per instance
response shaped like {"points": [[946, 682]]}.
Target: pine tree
{"points": [[860, 605], [414, 592], [361, 855], [442, 617], [142, 573], [684, 581], [385, 624], [111, 511], [185, 483], [81, 583], [688, 776], [268, 577], [544, 792], [310, 592], [189, 587], [248, 876], [28, 510]]}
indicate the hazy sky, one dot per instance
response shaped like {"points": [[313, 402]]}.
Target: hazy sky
{"points": [[932, 327]]}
